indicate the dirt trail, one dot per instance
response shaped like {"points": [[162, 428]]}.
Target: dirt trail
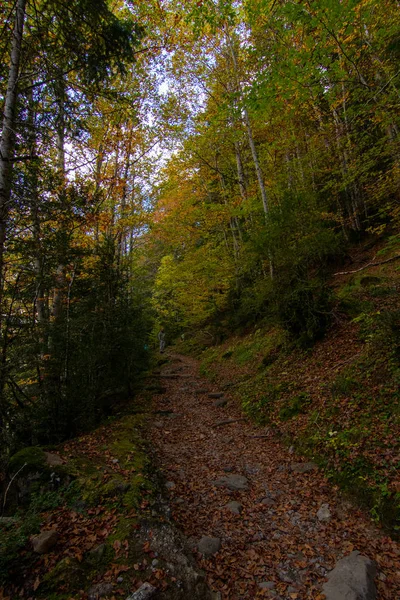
{"points": [[277, 546]]}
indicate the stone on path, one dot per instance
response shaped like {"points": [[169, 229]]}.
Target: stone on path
{"points": [[267, 501], [252, 469], [201, 391], [43, 542], [324, 514], [352, 579], [215, 395], [220, 403], [303, 467], [228, 422], [267, 585], [235, 507], [209, 545], [100, 590], [233, 482], [145, 592], [53, 460]]}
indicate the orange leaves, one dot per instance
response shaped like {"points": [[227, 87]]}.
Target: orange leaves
{"points": [[121, 548], [147, 547]]}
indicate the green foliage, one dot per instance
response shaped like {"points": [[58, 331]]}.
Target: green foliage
{"points": [[98, 351], [305, 309], [46, 500], [259, 406], [343, 385], [13, 538], [294, 406]]}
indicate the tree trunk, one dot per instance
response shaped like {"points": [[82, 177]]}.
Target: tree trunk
{"points": [[6, 158], [240, 172], [252, 145], [8, 134], [249, 129], [60, 283]]}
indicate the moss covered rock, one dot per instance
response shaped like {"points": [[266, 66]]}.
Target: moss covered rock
{"points": [[27, 460]]}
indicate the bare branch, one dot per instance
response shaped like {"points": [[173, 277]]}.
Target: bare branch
{"points": [[371, 264]]}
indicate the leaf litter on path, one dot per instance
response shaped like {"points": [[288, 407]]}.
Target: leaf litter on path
{"points": [[277, 546]]}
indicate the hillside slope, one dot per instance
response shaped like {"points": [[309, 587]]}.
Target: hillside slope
{"points": [[337, 402]]}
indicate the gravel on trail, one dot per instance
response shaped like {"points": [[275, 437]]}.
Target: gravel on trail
{"points": [[293, 525]]}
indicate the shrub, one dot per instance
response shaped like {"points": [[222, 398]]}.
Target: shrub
{"points": [[295, 406], [305, 309]]}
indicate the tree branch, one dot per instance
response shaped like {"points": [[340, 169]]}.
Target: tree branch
{"points": [[371, 264]]}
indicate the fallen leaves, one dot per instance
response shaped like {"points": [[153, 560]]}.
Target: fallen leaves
{"points": [[280, 541]]}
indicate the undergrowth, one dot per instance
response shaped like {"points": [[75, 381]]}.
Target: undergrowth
{"points": [[107, 472]]}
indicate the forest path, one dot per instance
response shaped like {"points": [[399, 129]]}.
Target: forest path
{"points": [[277, 546]]}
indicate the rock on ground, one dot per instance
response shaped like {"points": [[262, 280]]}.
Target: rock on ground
{"points": [[209, 545], [221, 403], [53, 460], [100, 590], [324, 514], [43, 542], [145, 592], [232, 482], [7, 520], [173, 554], [352, 579], [235, 507]]}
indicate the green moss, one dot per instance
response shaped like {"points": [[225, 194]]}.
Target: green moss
{"points": [[32, 457], [65, 578], [81, 466], [91, 481], [138, 485], [53, 595], [122, 531], [93, 489]]}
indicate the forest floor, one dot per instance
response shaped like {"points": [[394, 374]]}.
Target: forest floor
{"points": [[290, 525]]}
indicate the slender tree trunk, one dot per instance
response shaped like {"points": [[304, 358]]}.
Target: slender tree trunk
{"points": [[122, 239], [289, 170], [236, 245], [60, 283], [7, 133], [350, 190], [6, 156], [249, 129], [39, 305], [240, 172]]}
